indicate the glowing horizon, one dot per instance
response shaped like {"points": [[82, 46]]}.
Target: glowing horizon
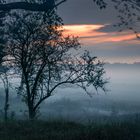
{"points": [[91, 37], [91, 31]]}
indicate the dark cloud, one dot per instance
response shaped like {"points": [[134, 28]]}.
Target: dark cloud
{"points": [[86, 12], [108, 28]]}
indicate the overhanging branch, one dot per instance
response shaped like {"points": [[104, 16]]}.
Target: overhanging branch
{"points": [[24, 6], [29, 6]]}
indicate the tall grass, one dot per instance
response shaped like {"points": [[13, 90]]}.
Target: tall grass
{"points": [[64, 130]]}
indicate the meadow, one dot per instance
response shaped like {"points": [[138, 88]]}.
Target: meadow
{"points": [[65, 130]]}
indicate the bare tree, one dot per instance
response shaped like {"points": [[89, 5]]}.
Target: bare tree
{"points": [[41, 56], [4, 76], [4, 69], [128, 14]]}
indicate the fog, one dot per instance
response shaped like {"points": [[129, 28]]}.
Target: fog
{"points": [[123, 97], [124, 81]]}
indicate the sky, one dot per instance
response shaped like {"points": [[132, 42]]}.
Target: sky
{"points": [[96, 31]]}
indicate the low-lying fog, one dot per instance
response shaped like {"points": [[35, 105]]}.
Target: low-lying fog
{"points": [[122, 98]]}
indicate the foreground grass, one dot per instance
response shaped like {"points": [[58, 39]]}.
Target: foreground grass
{"points": [[62, 130]]}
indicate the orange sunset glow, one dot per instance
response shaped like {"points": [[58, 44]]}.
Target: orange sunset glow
{"points": [[92, 38], [83, 30], [90, 34]]}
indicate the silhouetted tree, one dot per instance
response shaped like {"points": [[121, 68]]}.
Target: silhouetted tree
{"points": [[3, 68], [2, 42], [41, 55], [129, 18], [4, 76], [128, 14]]}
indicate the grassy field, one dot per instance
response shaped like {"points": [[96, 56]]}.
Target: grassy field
{"points": [[62, 130]]}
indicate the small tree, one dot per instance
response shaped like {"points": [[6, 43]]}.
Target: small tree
{"points": [[42, 57], [4, 76], [3, 68]]}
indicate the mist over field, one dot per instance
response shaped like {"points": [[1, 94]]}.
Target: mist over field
{"points": [[69, 70], [73, 103]]}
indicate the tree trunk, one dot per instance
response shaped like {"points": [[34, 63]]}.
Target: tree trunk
{"points": [[6, 106], [32, 112]]}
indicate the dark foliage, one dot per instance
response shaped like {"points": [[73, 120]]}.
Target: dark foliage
{"points": [[61, 130]]}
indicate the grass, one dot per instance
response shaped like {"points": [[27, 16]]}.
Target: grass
{"points": [[63, 130]]}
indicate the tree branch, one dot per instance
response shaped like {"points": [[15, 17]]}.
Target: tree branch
{"points": [[29, 6]]}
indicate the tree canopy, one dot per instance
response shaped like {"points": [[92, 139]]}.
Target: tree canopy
{"points": [[41, 55]]}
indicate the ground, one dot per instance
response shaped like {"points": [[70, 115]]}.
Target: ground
{"points": [[64, 130]]}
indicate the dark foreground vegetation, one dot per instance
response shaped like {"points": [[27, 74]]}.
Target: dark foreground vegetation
{"points": [[63, 130]]}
